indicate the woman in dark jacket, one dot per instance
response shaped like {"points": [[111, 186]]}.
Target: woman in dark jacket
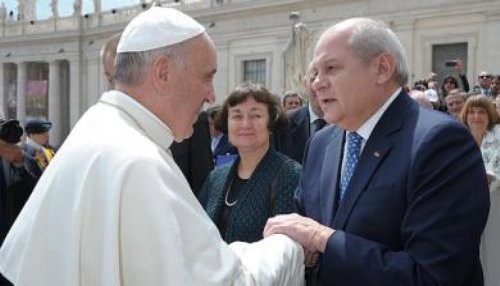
{"points": [[260, 183]]}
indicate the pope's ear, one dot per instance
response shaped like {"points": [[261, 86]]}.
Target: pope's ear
{"points": [[161, 67]]}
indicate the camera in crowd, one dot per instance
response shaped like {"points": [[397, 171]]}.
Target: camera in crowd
{"points": [[10, 131]]}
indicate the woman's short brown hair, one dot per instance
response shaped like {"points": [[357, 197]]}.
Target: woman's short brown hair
{"points": [[277, 116], [482, 102]]}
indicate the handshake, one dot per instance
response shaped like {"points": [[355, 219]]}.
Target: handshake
{"points": [[312, 235]]}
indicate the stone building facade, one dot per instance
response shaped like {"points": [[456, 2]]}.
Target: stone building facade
{"points": [[52, 68]]}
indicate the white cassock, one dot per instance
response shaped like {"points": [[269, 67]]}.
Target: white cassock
{"points": [[490, 244], [113, 208]]}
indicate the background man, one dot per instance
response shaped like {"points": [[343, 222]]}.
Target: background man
{"points": [[37, 144], [484, 87], [113, 208], [16, 182], [385, 188], [302, 122], [291, 101], [108, 55], [454, 103]]}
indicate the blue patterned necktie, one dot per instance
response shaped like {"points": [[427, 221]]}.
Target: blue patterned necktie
{"points": [[353, 149]]}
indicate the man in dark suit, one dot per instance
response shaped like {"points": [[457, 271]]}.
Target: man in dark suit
{"points": [[393, 194], [302, 122]]}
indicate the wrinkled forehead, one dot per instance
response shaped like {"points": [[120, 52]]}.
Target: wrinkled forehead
{"points": [[332, 42]]}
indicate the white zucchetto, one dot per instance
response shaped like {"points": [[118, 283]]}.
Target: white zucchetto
{"points": [[158, 27]]}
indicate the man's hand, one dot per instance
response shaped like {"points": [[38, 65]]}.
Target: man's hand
{"points": [[12, 153], [309, 233]]}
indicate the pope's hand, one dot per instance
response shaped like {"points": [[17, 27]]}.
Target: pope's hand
{"points": [[309, 233]]}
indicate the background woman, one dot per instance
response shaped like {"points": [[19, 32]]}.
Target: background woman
{"points": [[260, 183], [481, 118]]}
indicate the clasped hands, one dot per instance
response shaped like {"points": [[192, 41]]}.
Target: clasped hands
{"points": [[312, 235]]}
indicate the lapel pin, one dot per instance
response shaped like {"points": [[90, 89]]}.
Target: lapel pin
{"points": [[376, 154]]}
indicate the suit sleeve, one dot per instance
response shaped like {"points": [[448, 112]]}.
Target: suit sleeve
{"points": [[447, 207]]}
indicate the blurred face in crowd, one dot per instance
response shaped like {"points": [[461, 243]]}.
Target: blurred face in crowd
{"points": [[454, 103], [449, 85], [40, 138], [485, 80], [477, 118], [292, 102], [495, 85], [433, 85], [248, 125]]}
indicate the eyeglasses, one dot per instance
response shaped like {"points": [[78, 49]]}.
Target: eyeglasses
{"points": [[485, 76]]}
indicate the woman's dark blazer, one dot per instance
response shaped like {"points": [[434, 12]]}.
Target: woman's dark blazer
{"points": [[268, 192]]}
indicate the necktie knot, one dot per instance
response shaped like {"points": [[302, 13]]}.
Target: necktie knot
{"points": [[352, 156]]}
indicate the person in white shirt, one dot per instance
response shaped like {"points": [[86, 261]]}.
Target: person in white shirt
{"points": [[113, 208]]}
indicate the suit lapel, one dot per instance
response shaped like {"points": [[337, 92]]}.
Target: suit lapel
{"points": [[329, 175], [376, 149]]}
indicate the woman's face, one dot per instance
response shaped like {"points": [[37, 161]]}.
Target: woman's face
{"points": [[449, 85], [477, 118], [247, 125]]}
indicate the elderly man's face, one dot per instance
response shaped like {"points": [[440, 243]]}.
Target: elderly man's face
{"points": [[192, 84], [343, 84], [485, 80]]}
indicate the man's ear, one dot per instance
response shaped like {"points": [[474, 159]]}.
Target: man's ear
{"points": [[385, 67]]}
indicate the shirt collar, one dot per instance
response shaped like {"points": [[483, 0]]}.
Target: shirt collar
{"points": [[312, 115], [151, 125]]}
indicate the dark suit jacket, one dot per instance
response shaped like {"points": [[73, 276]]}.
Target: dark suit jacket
{"points": [[292, 139], [415, 209], [268, 192], [194, 156], [16, 185]]}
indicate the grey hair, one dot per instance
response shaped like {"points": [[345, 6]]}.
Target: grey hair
{"points": [[369, 38], [132, 66]]}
